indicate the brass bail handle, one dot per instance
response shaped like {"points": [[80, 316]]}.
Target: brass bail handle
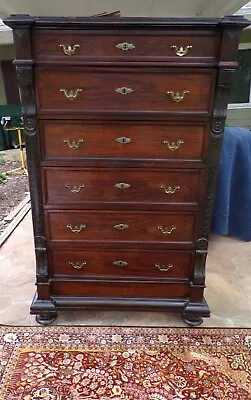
{"points": [[73, 144], [71, 94], [76, 228], [74, 188], [68, 49], [177, 97], [165, 230], [181, 51], [164, 267], [173, 146], [77, 264], [170, 189]]}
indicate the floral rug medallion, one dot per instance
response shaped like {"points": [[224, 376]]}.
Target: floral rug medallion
{"points": [[120, 363]]}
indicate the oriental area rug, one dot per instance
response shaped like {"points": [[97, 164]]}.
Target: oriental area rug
{"points": [[120, 363]]}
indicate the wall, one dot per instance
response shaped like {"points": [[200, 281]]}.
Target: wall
{"points": [[241, 116], [2, 90], [6, 53]]}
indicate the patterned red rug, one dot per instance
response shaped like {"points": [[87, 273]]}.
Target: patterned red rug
{"points": [[76, 363]]}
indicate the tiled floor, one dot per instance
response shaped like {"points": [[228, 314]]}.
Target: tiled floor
{"points": [[228, 287]]}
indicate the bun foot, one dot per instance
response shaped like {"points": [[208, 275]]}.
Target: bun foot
{"points": [[192, 321], [46, 319]]}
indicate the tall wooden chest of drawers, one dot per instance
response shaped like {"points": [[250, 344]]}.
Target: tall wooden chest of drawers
{"points": [[124, 119]]}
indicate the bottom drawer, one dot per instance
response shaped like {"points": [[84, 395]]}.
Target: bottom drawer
{"points": [[123, 263], [121, 289]]}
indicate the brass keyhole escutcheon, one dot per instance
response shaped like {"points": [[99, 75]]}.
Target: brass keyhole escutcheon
{"points": [[124, 90], [121, 227], [123, 140], [122, 185], [125, 46], [120, 263]]}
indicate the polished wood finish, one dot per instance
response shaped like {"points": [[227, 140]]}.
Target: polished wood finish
{"points": [[112, 264], [99, 141], [99, 226], [144, 46], [82, 185], [123, 138], [120, 289], [98, 89]]}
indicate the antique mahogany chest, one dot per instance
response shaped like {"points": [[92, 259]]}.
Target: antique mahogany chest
{"points": [[124, 119]]}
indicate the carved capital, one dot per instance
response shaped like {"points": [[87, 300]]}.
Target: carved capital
{"points": [[24, 75], [202, 244], [217, 126], [30, 125]]}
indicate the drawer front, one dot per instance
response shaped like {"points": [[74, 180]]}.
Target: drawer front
{"points": [[138, 90], [65, 186], [112, 226], [70, 46], [122, 263], [84, 140], [121, 289]]}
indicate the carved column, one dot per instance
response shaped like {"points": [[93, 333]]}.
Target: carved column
{"points": [[24, 67], [227, 64]]}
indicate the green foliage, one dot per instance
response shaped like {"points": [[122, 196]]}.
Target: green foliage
{"points": [[2, 160], [2, 177]]}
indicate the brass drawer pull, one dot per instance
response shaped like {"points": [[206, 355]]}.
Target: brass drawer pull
{"points": [[69, 50], [74, 144], [75, 188], [122, 185], [120, 227], [165, 230], [172, 145], [76, 229], [181, 51], [120, 263], [77, 264], [123, 140], [164, 267], [124, 90], [71, 94], [125, 46], [178, 96], [170, 189]]}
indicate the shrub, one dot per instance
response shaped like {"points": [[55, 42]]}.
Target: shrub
{"points": [[2, 177]]}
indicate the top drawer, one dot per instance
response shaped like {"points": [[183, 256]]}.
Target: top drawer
{"points": [[174, 46]]}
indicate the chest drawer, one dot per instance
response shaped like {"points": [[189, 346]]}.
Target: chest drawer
{"points": [[163, 90], [122, 264], [72, 140], [73, 46], [65, 186], [118, 226]]}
